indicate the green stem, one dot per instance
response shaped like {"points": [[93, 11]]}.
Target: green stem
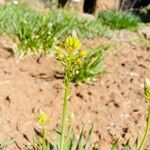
{"points": [[44, 137], [64, 115], [146, 130]]}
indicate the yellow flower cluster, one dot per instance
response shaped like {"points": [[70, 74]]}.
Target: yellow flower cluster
{"points": [[72, 43], [72, 47], [42, 118]]}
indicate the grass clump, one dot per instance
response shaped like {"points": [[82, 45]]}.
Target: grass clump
{"points": [[33, 32], [12, 15], [36, 33], [119, 20]]}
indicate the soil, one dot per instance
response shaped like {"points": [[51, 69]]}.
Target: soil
{"points": [[105, 5], [2, 1], [100, 5], [114, 102]]}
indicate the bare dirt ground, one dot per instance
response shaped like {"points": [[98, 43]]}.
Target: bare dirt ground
{"points": [[114, 102], [2, 1], [106, 5]]}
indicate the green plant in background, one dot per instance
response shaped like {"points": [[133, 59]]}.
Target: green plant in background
{"points": [[36, 33], [137, 145], [92, 65], [84, 27], [33, 32], [20, 23], [12, 15], [119, 20]]}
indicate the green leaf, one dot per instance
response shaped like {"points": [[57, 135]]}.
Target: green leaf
{"points": [[135, 145], [92, 65], [56, 145], [126, 146], [79, 143], [88, 141], [115, 145], [70, 141]]}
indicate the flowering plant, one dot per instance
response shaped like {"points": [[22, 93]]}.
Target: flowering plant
{"points": [[71, 57]]}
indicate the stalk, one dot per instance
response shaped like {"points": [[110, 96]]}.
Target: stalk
{"points": [[65, 108], [146, 130], [44, 137], [69, 56]]}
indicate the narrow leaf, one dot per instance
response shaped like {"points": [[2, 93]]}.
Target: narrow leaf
{"points": [[135, 145], [80, 140], [115, 145], [88, 141]]}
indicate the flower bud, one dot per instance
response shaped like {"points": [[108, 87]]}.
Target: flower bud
{"points": [[42, 118], [83, 53], [71, 119], [70, 49], [69, 41], [59, 56], [57, 48], [76, 43], [147, 89]]}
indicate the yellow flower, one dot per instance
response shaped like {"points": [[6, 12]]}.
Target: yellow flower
{"points": [[69, 41], [42, 118], [72, 43], [83, 53], [79, 61]]}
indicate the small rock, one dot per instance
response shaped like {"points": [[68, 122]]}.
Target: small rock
{"points": [[8, 99]]}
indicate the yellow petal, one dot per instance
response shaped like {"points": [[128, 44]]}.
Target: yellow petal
{"points": [[77, 43], [69, 41], [83, 53]]}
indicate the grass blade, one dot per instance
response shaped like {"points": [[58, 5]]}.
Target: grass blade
{"points": [[115, 145], [126, 146], [79, 144], [135, 145], [88, 141]]}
